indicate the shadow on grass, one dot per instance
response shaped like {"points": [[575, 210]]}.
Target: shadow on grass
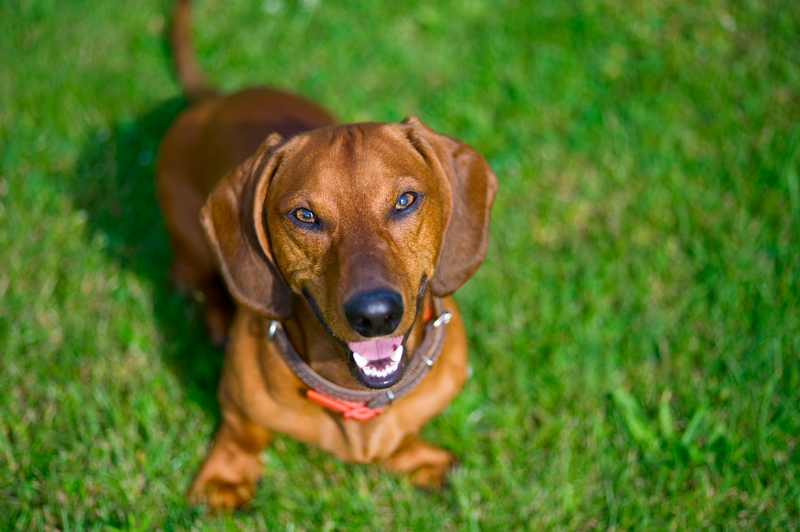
{"points": [[113, 182]]}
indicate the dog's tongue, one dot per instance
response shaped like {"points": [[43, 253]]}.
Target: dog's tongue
{"points": [[376, 349]]}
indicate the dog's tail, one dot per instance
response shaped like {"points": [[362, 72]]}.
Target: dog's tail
{"points": [[190, 77]]}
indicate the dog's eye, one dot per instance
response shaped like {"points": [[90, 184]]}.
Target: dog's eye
{"points": [[405, 201], [304, 215]]}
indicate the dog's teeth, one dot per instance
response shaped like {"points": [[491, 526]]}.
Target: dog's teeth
{"points": [[398, 353], [371, 371], [360, 361]]}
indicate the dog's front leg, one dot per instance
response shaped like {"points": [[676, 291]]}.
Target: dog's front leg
{"points": [[423, 464], [228, 477]]}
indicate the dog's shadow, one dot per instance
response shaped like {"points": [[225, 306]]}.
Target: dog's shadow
{"points": [[113, 183]]}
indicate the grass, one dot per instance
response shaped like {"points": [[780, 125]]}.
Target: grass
{"points": [[635, 329]]}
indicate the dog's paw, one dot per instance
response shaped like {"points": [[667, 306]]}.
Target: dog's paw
{"points": [[227, 480], [424, 465], [433, 476], [219, 496]]}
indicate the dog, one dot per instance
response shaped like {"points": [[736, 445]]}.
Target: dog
{"points": [[339, 246]]}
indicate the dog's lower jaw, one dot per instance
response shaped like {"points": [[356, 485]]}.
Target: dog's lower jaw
{"points": [[377, 363], [378, 374]]}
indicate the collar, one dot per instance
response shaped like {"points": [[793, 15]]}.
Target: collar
{"points": [[365, 404]]}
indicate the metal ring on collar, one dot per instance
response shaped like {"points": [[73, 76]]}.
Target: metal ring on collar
{"points": [[443, 318]]}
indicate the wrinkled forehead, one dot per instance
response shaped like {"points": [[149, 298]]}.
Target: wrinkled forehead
{"points": [[351, 158]]}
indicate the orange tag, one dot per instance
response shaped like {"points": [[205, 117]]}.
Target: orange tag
{"points": [[357, 411], [427, 315]]}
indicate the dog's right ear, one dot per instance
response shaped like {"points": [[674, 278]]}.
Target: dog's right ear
{"points": [[472, 185], [236, 231]]}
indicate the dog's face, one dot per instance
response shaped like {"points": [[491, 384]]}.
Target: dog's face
{"points": [[356, 220], [355, 217]]}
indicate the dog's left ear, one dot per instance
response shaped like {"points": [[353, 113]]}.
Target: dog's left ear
{"points": [[233, 220], [472, 186]]}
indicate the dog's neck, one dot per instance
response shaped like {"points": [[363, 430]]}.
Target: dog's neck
{"points": [[324, 354]]}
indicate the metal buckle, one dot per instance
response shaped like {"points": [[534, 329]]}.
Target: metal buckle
{"points": [[273, 328], [443, 318]]}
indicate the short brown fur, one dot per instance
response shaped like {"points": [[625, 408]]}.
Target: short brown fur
{"points": [[240, 164]]}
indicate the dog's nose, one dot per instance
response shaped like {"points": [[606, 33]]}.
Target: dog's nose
{"points": [[374, 313]]}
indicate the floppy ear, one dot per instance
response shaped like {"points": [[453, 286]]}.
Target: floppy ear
{"points": [[236, 231], [472, 186]]}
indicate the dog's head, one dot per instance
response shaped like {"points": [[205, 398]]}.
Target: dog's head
{"points": [[358, 221]]}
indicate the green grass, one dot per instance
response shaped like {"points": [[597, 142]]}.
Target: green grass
{"points": [[635, 329]]}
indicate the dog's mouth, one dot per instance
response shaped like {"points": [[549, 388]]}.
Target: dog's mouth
{"points": [[378, 363]]}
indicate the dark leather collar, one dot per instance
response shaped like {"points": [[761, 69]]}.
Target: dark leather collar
{"points": [[420, 364]]}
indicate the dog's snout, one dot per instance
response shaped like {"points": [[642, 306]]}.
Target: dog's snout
{"points": [[374, 313]]}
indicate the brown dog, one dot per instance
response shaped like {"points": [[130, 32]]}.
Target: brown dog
{"points": [[337, 243]]}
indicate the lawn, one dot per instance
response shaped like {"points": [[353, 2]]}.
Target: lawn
{"points": [[635, 329]]}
